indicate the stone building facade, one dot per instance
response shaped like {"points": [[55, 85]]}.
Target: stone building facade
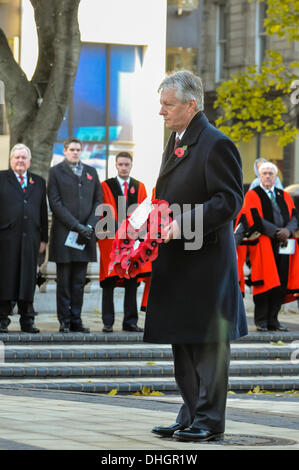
{"points": [[227, 36]]}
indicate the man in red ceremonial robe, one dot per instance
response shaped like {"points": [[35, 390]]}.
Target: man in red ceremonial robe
{"points": [[122, 189], [274, 275]]}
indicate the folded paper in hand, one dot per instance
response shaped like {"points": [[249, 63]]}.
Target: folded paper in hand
{"points": [[72, 242], [289, 249]]}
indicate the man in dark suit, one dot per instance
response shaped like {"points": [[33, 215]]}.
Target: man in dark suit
{"points": [[23, 235], [74, 193], [195, 302]]}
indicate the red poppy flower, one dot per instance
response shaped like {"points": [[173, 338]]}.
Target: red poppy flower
{"points": [[132, 190], [31, 180], [149, 252], [89, 177], [120, 272], [179, 152], [127, 256], [134, 267]]}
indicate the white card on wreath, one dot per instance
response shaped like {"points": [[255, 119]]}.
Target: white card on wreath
{"points": [[141, 213]]}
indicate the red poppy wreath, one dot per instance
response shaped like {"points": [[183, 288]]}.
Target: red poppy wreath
{"points": [[134, 247]]}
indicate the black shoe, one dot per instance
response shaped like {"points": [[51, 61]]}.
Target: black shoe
{"points": [[64, 328], [261, 328], [79, 329], [198, 435], [135, 328], [107, 329], [30, 329], [278, 327], [167, 431], [3, 326]]}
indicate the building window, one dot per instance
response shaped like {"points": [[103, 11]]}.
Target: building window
{"points": [[181, 58], [260, 34], [221, 42], [101, 109], [187, 5]]}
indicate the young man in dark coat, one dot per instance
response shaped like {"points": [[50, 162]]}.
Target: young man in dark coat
{"points": [[23, 235], [74, 193], [195, 302]]}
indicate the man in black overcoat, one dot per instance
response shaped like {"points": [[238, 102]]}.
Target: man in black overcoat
{"points": [[74, 193], [195, 302], [23, 235]]}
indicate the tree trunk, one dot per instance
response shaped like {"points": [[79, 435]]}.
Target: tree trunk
{"points": [[35, 108]]}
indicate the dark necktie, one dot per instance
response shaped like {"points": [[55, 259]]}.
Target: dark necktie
{"points": [[177, 143], [22, 183], [273, 198]]}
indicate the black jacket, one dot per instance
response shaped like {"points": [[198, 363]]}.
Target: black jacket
{"points": [[23, 225], [194, 295], [72, 200]]}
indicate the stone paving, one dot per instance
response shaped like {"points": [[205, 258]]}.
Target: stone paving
{"points": [[37, 419], [70, 421]]}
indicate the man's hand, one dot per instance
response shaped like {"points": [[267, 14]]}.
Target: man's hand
{"points": [[283, 234], [42, 247], [84, 231], [173, 231]]}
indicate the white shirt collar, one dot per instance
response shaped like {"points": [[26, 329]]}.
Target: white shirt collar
{"points": [[180, 136], [24, 174], [121, 181], [267, 190]]}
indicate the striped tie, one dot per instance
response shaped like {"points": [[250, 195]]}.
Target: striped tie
{"points": [[22, 183], [273, 198]]}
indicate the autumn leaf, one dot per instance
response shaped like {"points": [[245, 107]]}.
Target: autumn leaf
{"points": [[113, 392], [145, 390]]}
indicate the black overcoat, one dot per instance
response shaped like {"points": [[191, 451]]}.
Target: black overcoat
{"points": [[72, 200], [23, 225], [194, 295]]}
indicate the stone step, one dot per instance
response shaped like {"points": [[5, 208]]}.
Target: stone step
{"points": [[123, 337], [135, 369], [164, 385], [142, 351]]}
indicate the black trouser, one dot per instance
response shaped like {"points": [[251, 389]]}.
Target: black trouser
{"points": [[268, 304], [130, 303], [25, 310], [267, 307], [70, 290], [201, 373]]}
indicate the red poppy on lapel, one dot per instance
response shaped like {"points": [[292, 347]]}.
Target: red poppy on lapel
{"points": [[180, 151], [31, 180], [132, 190], [89, 177]]}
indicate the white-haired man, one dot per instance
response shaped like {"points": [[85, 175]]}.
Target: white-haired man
{"points": [[23, 235], [195, 302], [274, 273]]}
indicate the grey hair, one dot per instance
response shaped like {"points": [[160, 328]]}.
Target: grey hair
{"points": [[20, 147], [187, 85], [269, 165]]}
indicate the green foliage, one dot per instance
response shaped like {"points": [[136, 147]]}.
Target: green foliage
{"points": [[283, 19], [254, 101]]}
